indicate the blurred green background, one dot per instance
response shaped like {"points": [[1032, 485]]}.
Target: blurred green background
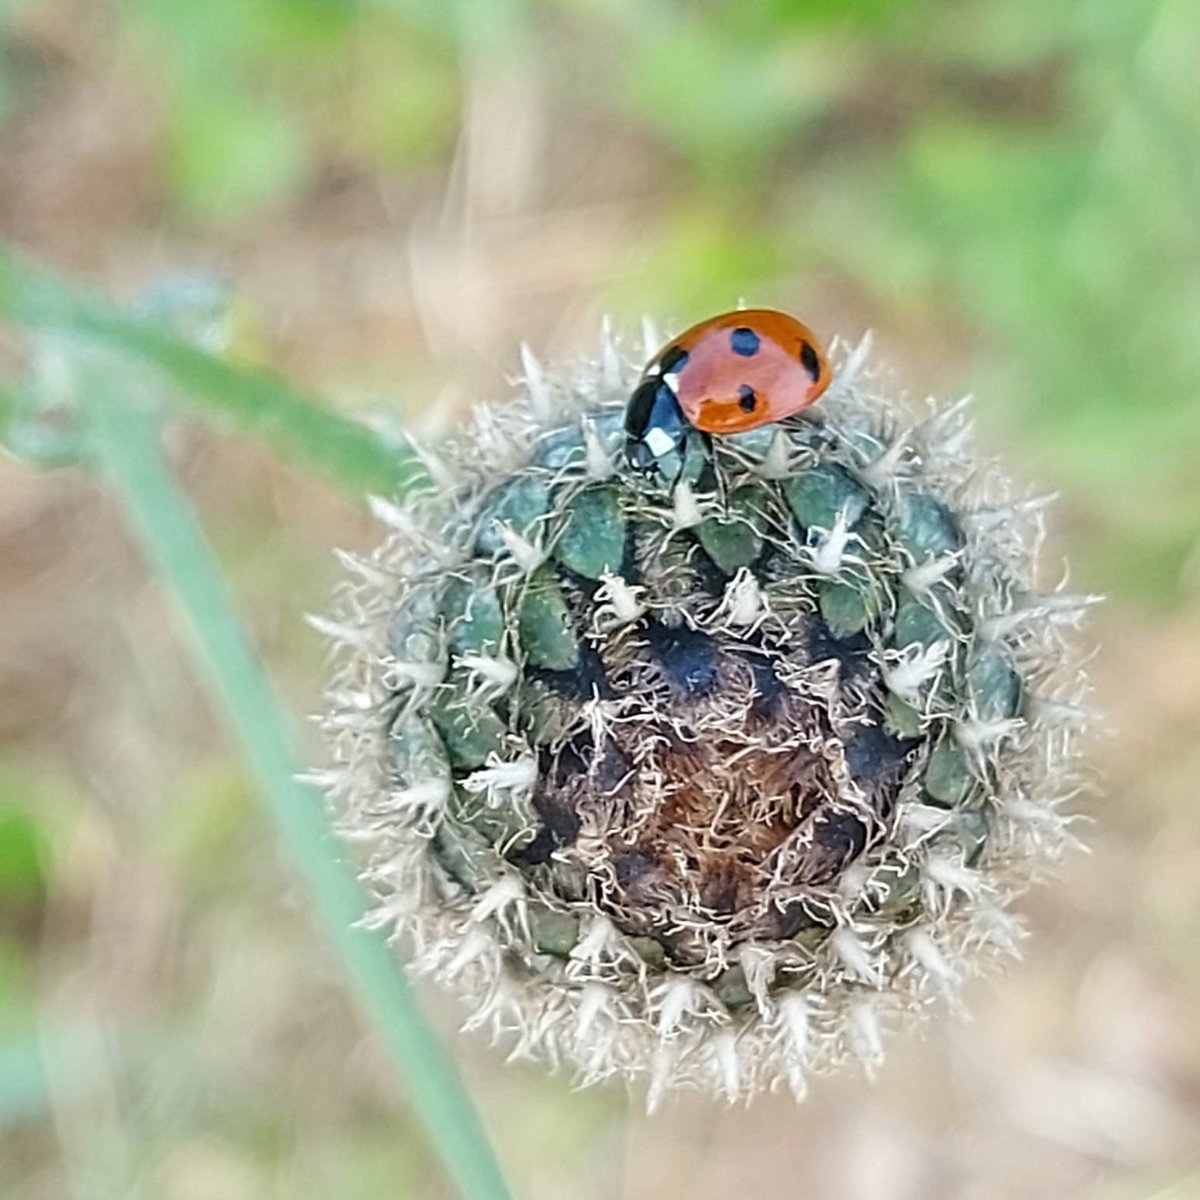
{"points": [[397, 193]]}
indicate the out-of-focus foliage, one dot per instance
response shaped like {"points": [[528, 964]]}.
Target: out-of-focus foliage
{"points": [[397, 192]]}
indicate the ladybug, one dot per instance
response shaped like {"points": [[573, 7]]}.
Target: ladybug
{"points": [[731, 373]]}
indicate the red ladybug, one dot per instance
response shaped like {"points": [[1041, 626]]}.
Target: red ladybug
{"points": [[728, 374]]}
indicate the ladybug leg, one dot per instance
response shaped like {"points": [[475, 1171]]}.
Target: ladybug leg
{"points": [[811, 417], [810, 426]]}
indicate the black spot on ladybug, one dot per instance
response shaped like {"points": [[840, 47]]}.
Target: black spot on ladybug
{"points": [[673, 361], [744, 341], [746, 398], [810, 361]]}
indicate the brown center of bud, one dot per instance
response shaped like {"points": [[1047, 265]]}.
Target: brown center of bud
{"points": [[724, 789]]}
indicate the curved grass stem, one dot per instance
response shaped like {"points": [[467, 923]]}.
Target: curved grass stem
{"points": [[126, 447]]}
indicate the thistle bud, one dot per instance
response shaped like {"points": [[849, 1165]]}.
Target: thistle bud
{"points": [[707, 781]]}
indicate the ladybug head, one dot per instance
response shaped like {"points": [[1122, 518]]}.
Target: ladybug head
{"points": [[656, 430]]}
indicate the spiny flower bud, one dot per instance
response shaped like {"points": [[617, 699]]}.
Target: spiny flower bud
{"points": [[710, 780]]}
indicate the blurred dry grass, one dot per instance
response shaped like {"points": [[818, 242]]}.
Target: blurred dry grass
{"points": [[199, 1044]]}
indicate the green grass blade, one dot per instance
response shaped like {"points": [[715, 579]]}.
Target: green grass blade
{"points": [[126, 447], [255, 403]]}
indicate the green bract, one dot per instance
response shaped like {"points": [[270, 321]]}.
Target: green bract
{"points": [[708, 781]]}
